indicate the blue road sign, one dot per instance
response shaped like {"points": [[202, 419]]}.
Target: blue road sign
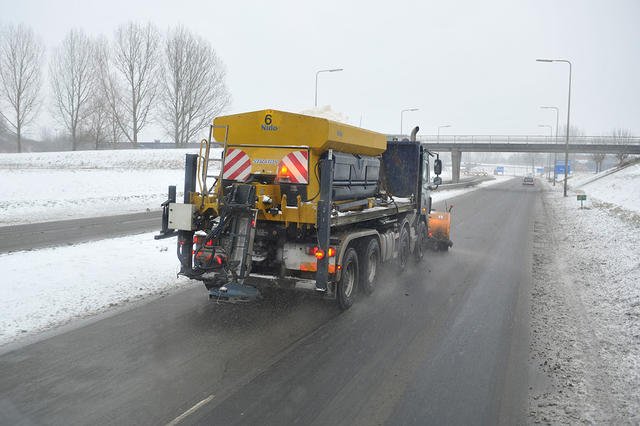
{"points": [[500, 169], [560, 168]]}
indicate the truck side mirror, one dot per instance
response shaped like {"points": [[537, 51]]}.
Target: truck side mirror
{"points": [[437, 166], [437, 180]]}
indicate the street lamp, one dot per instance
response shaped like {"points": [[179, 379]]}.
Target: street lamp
{"points": [[550, 136], [555, 154], [442, 127], [401, 113], [315, 103], [566, 146]]}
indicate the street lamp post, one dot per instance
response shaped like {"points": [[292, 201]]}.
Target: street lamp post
{"points": [[442, 127], [566, 146], [315, 103], [550, 136], [401, 113], [555, 154]]}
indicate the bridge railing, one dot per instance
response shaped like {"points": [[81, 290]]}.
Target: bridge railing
{"points": [[520, 139]]}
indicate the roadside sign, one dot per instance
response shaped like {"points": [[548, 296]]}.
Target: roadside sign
{"points": [[500, 169], [560, 169], [540, 170], [582, 198]]}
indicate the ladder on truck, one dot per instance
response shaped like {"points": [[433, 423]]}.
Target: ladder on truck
{"points": [[204, 158]]}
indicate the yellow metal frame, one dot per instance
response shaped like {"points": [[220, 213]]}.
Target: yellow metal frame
{"points": [[267, 136], [274, 128]]}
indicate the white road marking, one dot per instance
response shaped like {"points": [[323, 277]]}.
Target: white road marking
{"points": [[190, 411]]}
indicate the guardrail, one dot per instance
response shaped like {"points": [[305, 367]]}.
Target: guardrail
{"points": [[464, 183], [596, 140]]}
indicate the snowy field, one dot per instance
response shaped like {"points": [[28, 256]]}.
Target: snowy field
{"points": [[38, 187], [66, 283], [585, 312], [621, 188], [128, 159]]}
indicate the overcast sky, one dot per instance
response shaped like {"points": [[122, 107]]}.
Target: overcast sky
{"points": [[470, 64]]}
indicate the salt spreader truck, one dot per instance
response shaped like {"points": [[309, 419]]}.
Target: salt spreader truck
{"points": [[299, 202]]}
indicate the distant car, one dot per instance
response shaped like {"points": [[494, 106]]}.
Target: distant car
{"points": [[528, 180]]}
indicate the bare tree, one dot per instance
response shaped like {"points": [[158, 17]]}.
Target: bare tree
{"points": [[110, 92], [102, 126], [598, 158], [621, 137], [73, 82], [21, 58], [3, 127], [129, 71], [99, 120], [194, 89]]}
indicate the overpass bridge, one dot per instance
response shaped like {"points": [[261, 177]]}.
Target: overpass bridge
{"points": [[457, 144]]}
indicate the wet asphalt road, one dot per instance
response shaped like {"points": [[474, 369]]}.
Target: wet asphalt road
{"points": [[443, 343], [60, 232]]}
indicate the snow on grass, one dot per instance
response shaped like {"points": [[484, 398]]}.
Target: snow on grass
{"points": [[36, 195], [445, 194], [45, 288], [39, 187], [621, 188], [112, 159], [585, 313]]}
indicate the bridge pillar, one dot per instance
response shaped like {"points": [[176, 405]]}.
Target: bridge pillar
{"points": [[456, 156]]}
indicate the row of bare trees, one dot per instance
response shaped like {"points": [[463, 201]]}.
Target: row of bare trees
{"points": [[111, 89]]}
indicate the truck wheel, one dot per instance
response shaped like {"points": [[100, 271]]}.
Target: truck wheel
{"points": [[348, 280], [444, 246], [404, 249], [421, 242], [370, 262]]}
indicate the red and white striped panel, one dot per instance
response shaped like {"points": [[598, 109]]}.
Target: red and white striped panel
{"points": [[237, 165], [297, 163]]}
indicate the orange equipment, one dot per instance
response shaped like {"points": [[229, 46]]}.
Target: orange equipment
{"points": [[439, 228]]}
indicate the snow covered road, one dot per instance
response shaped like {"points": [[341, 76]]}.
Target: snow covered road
{"points": [[448, 325]]}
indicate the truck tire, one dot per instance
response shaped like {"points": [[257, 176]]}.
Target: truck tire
{"points": [[347, 286], [404, 249], [421, 243], [370, 261]]}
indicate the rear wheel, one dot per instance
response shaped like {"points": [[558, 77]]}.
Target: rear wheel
{"points": [[348, 280], [370, 262], [421, 243], [404, 249]]}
